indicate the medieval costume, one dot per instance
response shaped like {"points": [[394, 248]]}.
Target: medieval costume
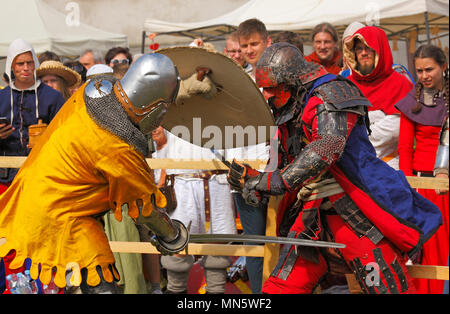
{"points": [[91, 160], [420, 134], [23, 108], [204, 202], [334, 186], [384, 87], [332, 66]]}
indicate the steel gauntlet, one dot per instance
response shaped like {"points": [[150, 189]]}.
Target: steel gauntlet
{"points": [[169, 236], [257, 189]]}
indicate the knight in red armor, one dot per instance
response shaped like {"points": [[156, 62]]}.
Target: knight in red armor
{"points": [[334, 186]]}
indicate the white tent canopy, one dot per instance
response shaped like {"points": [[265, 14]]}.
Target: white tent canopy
{"points": [[47, 29], [396, 17]]}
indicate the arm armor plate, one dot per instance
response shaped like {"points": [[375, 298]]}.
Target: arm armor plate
{"points": [[172, 235], [442, 154], [317, 156]]}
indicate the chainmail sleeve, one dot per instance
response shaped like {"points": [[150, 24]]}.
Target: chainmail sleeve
{"points": [[333, 127]]}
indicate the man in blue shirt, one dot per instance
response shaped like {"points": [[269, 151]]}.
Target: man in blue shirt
{"points": [[23, 103]]}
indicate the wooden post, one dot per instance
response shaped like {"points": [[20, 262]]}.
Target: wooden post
{"points": [[428, 183], [193, 249], [271, 250], [415, 182], [428, 271]]}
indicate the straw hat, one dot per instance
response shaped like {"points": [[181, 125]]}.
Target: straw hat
{"points": [[51, 67]]}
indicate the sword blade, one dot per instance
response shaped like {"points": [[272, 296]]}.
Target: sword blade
{"points": [[198, 238], [221, 158]]}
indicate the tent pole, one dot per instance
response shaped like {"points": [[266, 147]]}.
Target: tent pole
{"points": [[143, 42], [427, 27]]}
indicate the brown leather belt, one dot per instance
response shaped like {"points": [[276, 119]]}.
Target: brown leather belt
{"points": [[205, 175], [423, 173], [200, 175]]}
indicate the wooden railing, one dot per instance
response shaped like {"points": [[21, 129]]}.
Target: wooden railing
{"points": [[270, 252]]}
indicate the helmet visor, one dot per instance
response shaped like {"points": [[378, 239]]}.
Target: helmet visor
{"points": [[153, 119], [277, 96]]}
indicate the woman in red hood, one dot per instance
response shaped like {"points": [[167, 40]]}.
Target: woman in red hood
{"points": [[369, 57]]}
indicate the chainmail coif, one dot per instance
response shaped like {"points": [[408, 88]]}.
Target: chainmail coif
{"points": [[107, 112]]}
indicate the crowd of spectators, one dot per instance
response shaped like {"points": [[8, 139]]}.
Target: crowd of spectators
{"points": [[38, 86]]}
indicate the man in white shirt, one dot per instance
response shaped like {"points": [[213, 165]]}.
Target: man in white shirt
{"points": [[204, 202]]}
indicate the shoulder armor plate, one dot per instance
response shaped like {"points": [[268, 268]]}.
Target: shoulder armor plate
{"points": [[342, 95]]}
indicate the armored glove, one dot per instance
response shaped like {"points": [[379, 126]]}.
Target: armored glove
{"points": [[258, 188], [172, 247], [169, 236], [238, 173], [197, 84], [254, 186]]}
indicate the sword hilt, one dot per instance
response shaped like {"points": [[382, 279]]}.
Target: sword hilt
{"points": [[221, 158]]}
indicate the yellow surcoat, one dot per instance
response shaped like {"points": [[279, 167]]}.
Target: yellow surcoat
{"points": [[77, 170]]}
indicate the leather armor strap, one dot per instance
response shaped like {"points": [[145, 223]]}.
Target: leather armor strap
{"points": [[134, 113], [400, 274], [319, 189], [124, 101], [289, 256], [361, 276], [352, 215], [387, 273], [286, 249]]}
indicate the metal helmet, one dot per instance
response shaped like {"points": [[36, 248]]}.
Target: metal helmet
{"points": [[150, 85], [283, 63]]}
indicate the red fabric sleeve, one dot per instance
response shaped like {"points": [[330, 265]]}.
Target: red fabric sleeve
{"points": [[406, 144]]}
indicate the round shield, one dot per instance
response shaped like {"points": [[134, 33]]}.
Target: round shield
{"points": [[238, 115]]}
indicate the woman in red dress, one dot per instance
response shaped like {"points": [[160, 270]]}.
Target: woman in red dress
{"points": [[424, 114]]}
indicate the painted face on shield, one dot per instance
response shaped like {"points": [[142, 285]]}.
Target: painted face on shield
{"points": [[277, 96]]}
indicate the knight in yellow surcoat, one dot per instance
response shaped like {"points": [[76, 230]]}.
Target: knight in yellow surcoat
{"points": [[91, 159]]}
